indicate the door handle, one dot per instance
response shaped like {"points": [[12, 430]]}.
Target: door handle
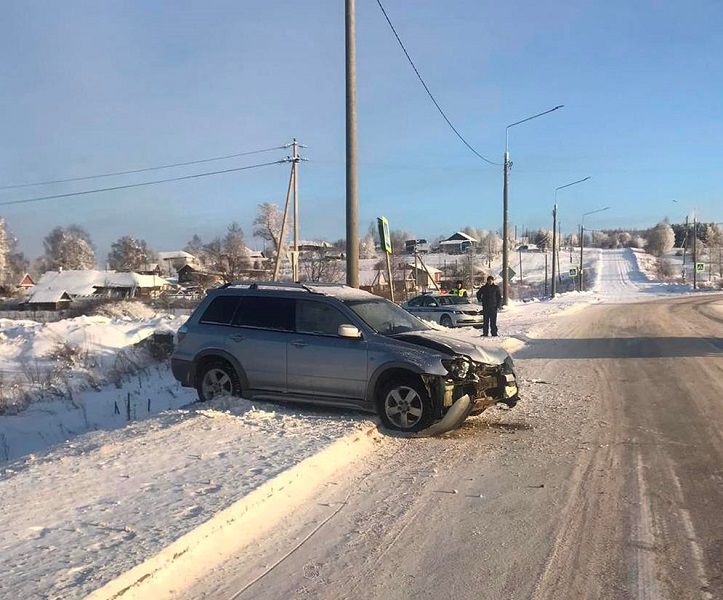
{"points": [[237, 337], [299, 343]]}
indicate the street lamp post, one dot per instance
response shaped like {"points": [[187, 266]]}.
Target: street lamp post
{"points": [[582, 239], [554, 234], [505, 204]]}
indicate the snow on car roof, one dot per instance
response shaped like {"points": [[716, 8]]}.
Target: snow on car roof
{"points": [[343, 292]]}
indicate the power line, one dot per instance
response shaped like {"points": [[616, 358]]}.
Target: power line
{"points": [[134, 185], [182, 164], [439, 108]]}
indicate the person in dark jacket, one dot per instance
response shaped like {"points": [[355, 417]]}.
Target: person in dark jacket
{"points": [[490, 297]]}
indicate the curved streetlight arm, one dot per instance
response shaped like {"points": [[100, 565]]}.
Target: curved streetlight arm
{"points": [[507, 129], [562, 187], [592, 212]]}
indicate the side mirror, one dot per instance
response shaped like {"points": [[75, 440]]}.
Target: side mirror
{"points": [[433, 304], [349, 331]]}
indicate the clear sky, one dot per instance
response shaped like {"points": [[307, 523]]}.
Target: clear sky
{"points": [[90, 87]]}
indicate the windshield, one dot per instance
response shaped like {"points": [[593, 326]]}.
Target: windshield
{"points": [[453, 300], [385, 317]]}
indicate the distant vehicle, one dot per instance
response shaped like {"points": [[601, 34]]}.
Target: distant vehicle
{"points": [[446, 309], [336, 345], [418, 246]]}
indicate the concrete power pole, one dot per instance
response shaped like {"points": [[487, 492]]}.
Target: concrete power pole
{"points": [[505, 241], [295, 175], [695, 253], [352, 228]]}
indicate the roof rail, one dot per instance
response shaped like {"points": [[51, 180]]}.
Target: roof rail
{"points": [[260, 285], [312, 288]]}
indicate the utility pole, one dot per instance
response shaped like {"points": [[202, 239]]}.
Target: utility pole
{"points": [[685, 239], [505, 216], [546, 272], [553, 286], [695, 253], [555, 234], [295, 175], [282, 235], [582, 243], [352, 233]]}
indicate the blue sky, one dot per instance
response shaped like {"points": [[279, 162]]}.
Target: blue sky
{"points": [[94, 87]]}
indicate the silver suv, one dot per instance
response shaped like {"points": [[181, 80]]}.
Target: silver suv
{"points": [[338, 346]]}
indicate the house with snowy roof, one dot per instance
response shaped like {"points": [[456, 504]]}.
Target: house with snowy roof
{"points": [[172, 261], [458, 243], [53, 287]]}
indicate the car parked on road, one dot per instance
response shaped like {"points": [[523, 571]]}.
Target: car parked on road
{"points": [[446, 309], [336, 345]]}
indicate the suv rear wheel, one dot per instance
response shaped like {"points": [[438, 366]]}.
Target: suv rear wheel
{"points": [[218, 379], [404, 405]]}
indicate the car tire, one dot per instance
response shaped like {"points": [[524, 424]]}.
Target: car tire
{"points": [[445, 321], [403, 404], [217, 379]]}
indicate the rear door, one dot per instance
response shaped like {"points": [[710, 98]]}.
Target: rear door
{"points": [[262, 329], [320, 362]]}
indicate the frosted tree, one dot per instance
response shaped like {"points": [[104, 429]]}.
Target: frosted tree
{"points": [[367, 247], [267, 225], [660, 239], [129, 254], [491, 245], [68, 248], [4, 251]]}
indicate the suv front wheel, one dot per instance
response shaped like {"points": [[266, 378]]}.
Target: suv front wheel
{"points": [[217, 379], [404, 405]]}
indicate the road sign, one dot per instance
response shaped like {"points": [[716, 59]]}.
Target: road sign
{"points": [[384, 238], [573, 271], [510, 273], [700, 267]]}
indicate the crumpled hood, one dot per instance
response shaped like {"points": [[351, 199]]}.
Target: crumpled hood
{"points": [[447, 343]]}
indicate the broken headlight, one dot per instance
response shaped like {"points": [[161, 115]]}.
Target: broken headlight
{"points": [[457, 368]]}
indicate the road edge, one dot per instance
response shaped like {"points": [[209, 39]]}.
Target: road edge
{"points": [[212, 542]]}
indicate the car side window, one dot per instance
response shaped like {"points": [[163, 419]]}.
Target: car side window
{"points": [[415, 301], [318, 317], [221, 310], [445, 301], [266, 313]]}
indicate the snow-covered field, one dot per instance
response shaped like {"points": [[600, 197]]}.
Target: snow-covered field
{"points": [[89, 492]]}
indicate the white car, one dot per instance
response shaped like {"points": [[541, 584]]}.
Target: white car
{"points": [[446, 309]]}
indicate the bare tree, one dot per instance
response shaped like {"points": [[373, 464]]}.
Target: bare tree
{"points": [[398, 237], [267, 225], [318, 266], [228, 256], [491, 246]]}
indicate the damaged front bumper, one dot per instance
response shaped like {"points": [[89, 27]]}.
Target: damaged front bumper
{"points": [[458, 398]]}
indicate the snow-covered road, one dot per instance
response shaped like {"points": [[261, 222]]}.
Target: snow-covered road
{"points": [[80, 512]]}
